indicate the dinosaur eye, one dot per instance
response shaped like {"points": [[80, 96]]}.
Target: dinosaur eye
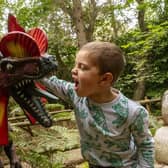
{"points": [[9, 67]]}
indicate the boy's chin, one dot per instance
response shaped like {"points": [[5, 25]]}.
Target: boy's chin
{"points": [[80, 94]]}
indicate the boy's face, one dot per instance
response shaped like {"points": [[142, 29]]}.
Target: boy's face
{"points": [[86, 75]]}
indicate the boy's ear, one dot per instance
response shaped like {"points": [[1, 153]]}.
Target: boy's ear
{"points": [[107, 78]]}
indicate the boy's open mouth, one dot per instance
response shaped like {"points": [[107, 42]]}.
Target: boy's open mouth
{"points": [[76, 84]]}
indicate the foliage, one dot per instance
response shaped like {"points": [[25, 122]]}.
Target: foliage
{"points": [[54, 107], [150, 46], [29, 13], [83, 165], [13, 108]]}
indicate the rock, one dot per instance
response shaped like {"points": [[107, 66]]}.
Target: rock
{"points": [[161, 145], [164, 108], [157, 165]]}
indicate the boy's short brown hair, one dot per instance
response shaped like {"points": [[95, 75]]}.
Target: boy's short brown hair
{"points": [[109, 57]]}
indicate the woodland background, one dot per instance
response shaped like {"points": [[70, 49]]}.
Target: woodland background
{"points": [[139, 27]]}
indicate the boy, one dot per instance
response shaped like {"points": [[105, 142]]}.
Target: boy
{"points": [[113, 129]]}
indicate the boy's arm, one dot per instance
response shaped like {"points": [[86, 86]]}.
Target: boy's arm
{"points": [[143, 139], [58, 87]]}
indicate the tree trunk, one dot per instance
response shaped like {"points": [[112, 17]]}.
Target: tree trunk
{"points": [[84, 28], [139, 92], [77, 17], [140, 86], [114, 22]]}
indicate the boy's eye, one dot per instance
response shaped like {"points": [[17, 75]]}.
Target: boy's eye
{"points": [[82, 67]]}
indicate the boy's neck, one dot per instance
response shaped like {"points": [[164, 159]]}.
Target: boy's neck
{"points": [[105, 96]]}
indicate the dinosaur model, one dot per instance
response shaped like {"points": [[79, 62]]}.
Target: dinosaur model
{"points": [[23, 59]]}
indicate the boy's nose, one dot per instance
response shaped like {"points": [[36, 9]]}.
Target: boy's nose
{"points": [[74, 71]]}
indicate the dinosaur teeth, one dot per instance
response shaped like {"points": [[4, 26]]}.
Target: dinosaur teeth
{"points": [[22, 83], [34, 108], [25, 99], [37, 111], [31, 104], [18, 85], [22, 95], [19, 92], [27, 81]]}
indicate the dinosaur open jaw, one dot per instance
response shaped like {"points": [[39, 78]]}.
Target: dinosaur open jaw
{"points": [[22, 94], [23, 89], [18, 75]]}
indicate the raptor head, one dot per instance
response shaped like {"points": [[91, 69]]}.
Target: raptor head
{"points": [[18, 75]]}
